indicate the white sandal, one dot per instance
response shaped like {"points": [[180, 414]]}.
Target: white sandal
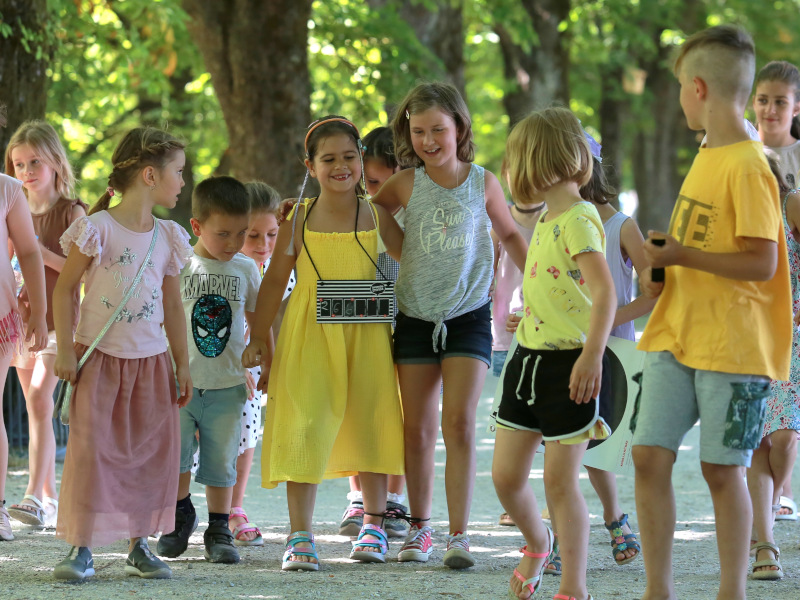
{"points": [[30, 514], [5, 525], [50, 512], [787, 503]]}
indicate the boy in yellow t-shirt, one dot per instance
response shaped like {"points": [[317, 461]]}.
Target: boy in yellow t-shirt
{"points": [[722, 325]]}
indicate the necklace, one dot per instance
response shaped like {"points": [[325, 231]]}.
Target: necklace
{"points": [[458, 168], [529, 211]]}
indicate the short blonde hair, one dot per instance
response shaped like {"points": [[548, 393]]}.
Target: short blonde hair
{"points": [[44, 140], [546, 148], [446, 98], [724, 57]]}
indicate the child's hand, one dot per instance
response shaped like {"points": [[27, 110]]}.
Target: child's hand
{"points": [[255, 351], [263, 381], [584, 381], [66, 365], [797, 319], [512, 322], [284, 208], [650, 288], [662, 256], [36, 333], [251, 385], [185, 388]]}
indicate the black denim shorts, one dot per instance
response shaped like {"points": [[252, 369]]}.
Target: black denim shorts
{"points": [[468, 335]]}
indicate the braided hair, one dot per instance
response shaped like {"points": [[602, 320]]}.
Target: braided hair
{"points": [[141, 147]]}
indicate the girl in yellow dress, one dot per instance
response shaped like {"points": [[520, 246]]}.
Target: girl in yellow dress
{"points": [[333, 408]]}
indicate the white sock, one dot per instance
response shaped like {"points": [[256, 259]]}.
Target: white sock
{"points": [[399, 498], [355, 496]]}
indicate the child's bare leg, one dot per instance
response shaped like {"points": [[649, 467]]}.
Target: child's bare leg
{"points": [[782, 457], [562, 465], [184, 483], [511, 465], [5, 361], [301, 498], [760, 484], [655, 507], [419, 391], [733, 516], [38, 385], [605, 486], [397, 484], [463, 380], [244, 462], [218, 499], [355, 484], [373, 488]]}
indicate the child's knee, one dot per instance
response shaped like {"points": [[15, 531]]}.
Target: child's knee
{"points": [[652, 460], [460, 428], [783, 440], [721, 476]]}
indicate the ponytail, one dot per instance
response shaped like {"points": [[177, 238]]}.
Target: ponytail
{"points": [[102, 204]]}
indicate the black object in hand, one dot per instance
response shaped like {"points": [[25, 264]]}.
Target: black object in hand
{"points": [[657, 273]]}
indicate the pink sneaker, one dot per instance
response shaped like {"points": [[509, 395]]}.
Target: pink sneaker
{"points": [[418, 545], [457, 555]]}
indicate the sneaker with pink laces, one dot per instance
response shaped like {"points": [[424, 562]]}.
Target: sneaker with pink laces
{"points": [[457, 555], [353, 519], [418, 545]]}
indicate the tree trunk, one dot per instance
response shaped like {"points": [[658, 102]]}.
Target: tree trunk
{"points": [[441, 31], [612, 117], [537, 76], [23, 72], [256, 54]]}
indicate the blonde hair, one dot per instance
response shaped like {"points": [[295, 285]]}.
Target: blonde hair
{"points": [[546, 148], [141, 147], [446, 98], [263, 198], [44, 141], [724, 57]]}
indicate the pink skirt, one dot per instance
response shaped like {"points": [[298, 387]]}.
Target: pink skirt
{"points": [[120, 476]]}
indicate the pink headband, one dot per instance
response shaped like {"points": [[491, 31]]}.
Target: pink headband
{"points": [[321, 122]]}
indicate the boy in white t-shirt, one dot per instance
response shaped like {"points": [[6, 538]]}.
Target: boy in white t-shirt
{"points": [[219, 287]]}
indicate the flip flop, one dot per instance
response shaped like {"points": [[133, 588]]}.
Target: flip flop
{"points": [[788, 503]]}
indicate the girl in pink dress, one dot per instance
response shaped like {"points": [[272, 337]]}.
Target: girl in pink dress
{"points": [[123, 450], [16, 226]]}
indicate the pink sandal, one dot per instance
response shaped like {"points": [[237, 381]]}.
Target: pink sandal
{"points": [[246, 527], [565, 597], [534, 582]]}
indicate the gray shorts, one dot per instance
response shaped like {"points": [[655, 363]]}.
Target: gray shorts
{"points": [[217, 416], [731, 408]]}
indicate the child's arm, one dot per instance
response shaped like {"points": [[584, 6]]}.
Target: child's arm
{"points": [[395, 191], [632, 243], [175, 328], [250, 317], [20, 230], [503, 223], [50, 258], [391, 234], [66, 365], [584, 382], [757, 262], [269, 300], [793, 220]]}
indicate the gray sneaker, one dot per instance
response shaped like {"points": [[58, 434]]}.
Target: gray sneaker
{"points": [[77, 566], [142, 563], [352, 519], [218, 540], [395, 524]]}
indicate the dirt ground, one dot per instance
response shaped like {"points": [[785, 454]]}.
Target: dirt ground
{"points": [[26, 564]]}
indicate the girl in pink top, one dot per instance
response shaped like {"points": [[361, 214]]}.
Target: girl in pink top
{"points": [[16, 226], [123, 450], [36, 157]]}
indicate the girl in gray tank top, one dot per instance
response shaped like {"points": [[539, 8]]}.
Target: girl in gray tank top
{"points": [[445, 274]]}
